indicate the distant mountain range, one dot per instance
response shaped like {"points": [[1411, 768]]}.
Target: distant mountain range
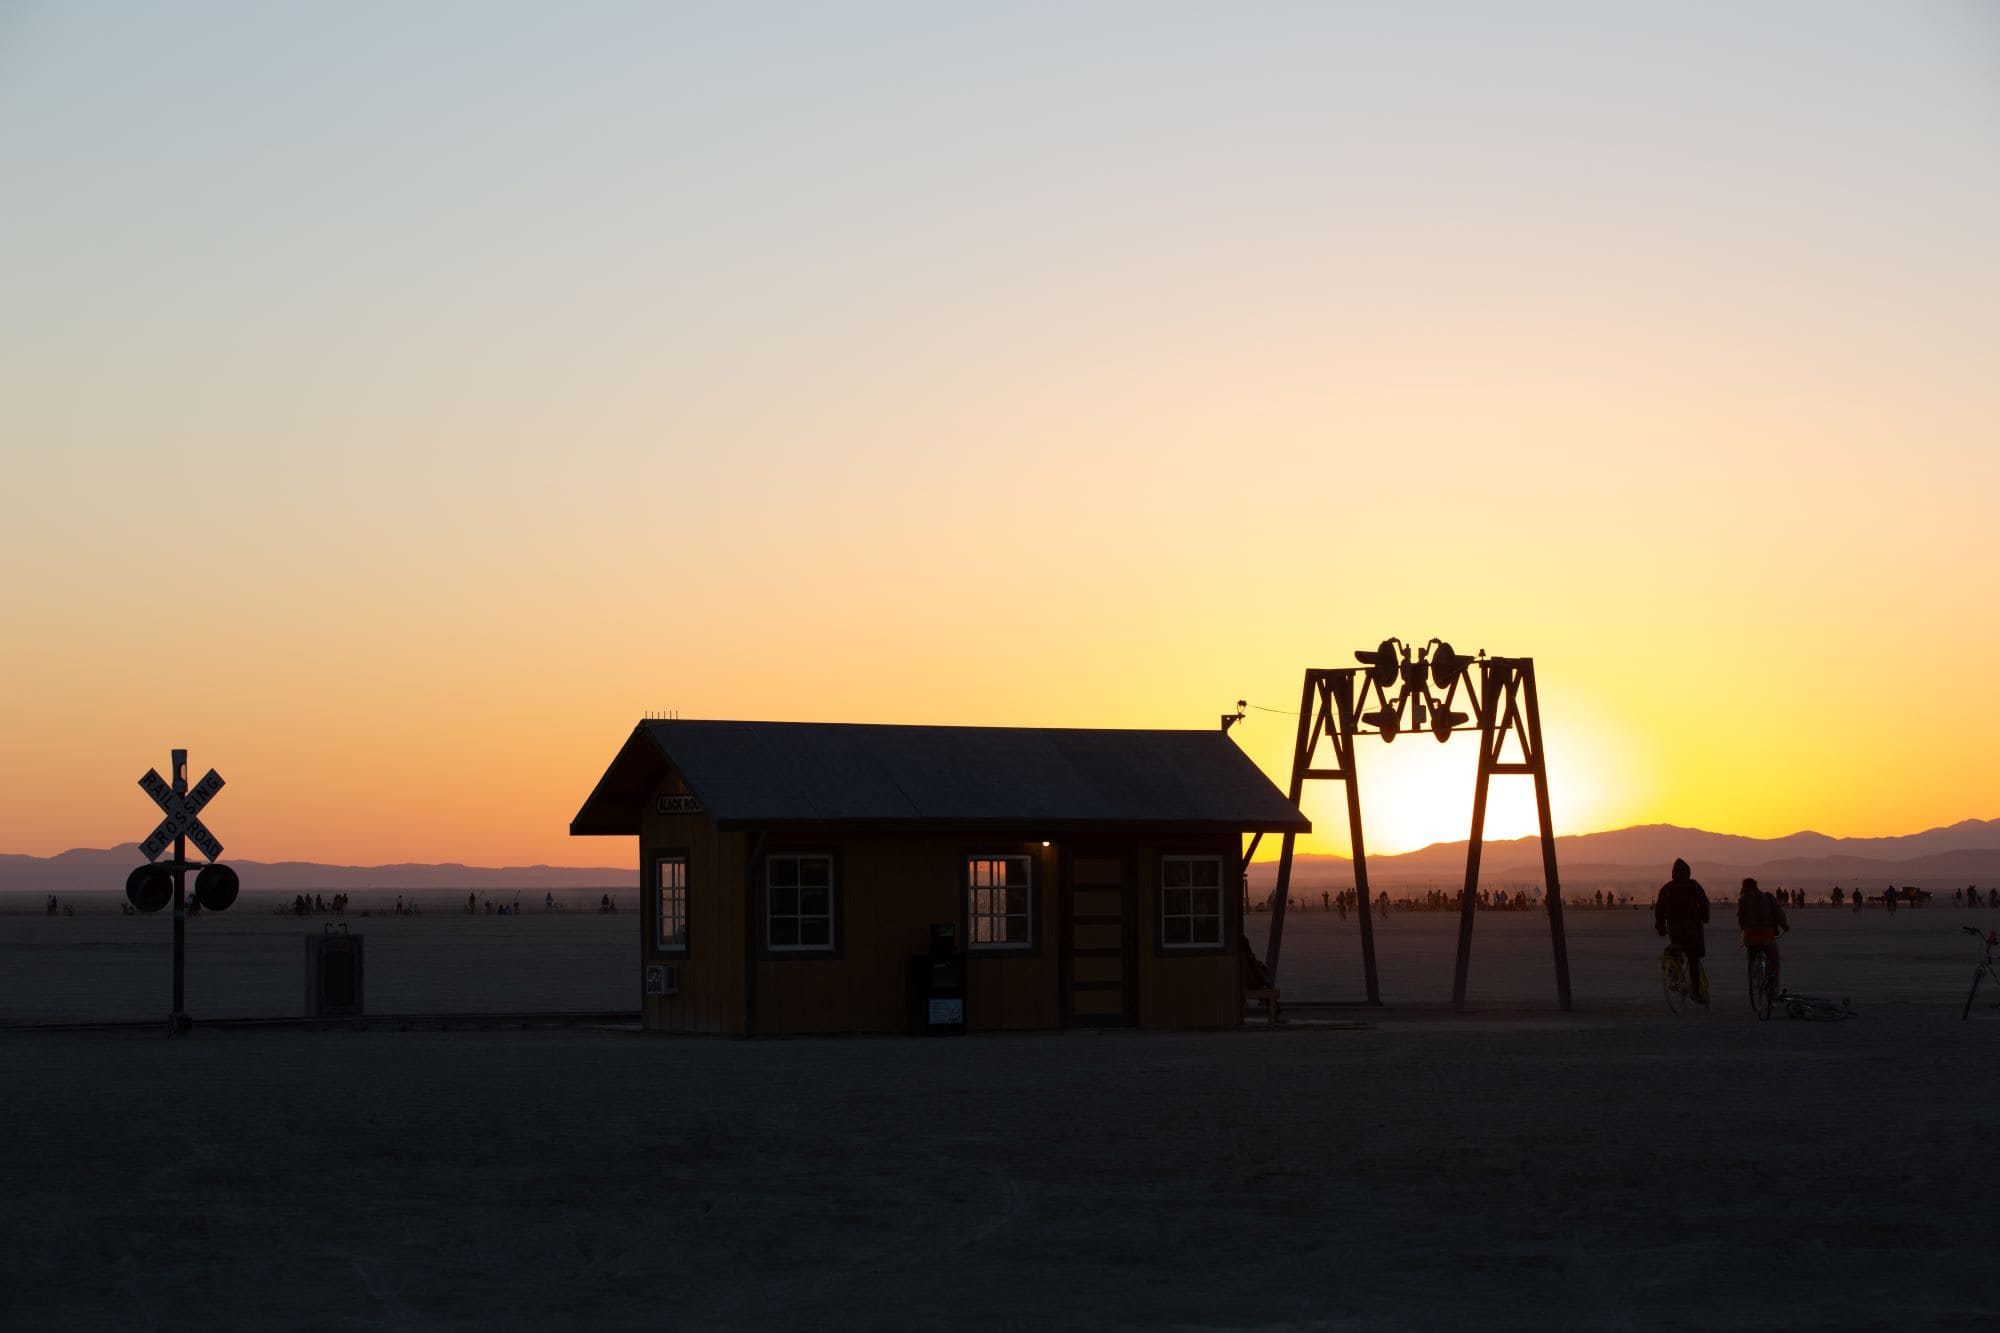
{"points": [[88, 868], [1964, 853]]}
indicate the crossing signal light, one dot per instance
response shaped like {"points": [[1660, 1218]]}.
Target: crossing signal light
{"points": [[1386, 720], [149, 888], [216, 887]]}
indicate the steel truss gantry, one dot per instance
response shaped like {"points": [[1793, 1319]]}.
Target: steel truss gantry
{"points": [[1500, 691]]}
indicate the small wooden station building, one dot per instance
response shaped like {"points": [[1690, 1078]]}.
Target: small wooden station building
{"points": [[791, 870]]}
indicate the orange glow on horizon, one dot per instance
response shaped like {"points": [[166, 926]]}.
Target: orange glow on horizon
{"points": [[1004, 367]]}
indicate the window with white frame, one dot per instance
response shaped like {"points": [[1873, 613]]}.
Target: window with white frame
{"points": [[798, 902], [670, 903], [999, 908], [1190, 902]]}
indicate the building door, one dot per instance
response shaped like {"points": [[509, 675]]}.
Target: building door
{"points": [[1098, 966]]}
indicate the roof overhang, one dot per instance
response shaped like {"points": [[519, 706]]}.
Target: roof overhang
{"points": [[618, 803]]}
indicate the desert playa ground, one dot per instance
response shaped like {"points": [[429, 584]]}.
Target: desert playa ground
{"points": [[1513, 1167]]}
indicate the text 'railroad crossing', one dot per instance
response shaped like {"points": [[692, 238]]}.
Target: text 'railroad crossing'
{"points": [[182, 814]]}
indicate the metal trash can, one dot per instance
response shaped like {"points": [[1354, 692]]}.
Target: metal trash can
{"points": [[937, 986], [333, 974]]}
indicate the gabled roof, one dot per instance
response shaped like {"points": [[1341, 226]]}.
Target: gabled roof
{"points": [[772, 774]]}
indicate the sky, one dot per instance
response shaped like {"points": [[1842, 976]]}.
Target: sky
{"points": [[399, 402]]}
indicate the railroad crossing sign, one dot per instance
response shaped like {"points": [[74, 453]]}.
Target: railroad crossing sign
{"points": [[153, 885], [181, 811]]}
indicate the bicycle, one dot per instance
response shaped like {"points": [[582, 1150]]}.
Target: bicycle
{"points": [[1763, 987], [1817, 1007], [1985, 969], [1678, 983]]}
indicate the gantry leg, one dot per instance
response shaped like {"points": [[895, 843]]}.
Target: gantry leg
{"points": [[1469, 902], [1552, 885]]}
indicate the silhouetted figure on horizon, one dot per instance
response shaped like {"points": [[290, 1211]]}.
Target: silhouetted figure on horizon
{"points": [[1679, 912], [1889, 899]]}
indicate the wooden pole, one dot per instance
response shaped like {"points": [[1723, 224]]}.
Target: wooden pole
{"points": [[178, 1021]]}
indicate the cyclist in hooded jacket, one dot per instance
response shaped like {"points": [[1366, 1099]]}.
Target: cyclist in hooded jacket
{"points": [[1761, 918], [1679, 913]]}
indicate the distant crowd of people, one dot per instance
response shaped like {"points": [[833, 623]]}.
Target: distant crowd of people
{"points": [[1528, 898], [322, 904], [1437, 900], [313, 904]]}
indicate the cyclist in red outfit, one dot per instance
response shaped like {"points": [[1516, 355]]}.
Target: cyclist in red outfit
{"points": [[1761, 918]]}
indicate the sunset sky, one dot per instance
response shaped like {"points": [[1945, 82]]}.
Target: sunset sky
{"points": [[399, 401]]}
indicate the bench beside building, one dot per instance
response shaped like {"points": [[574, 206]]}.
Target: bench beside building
{"points": [[789, 871]]}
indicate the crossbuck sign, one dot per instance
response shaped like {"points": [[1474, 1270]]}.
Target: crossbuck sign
{"points": [[181, 811]]}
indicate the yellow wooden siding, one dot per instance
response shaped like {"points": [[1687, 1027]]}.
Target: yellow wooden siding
{"points": [[710, 975], [1193, 989]]}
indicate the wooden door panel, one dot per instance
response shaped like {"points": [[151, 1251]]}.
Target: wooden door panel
{"points": [[1097, 940]]}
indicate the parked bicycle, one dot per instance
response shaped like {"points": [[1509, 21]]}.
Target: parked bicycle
{"points": [[1985, 969], [1817, 1007], [1679, 982]]}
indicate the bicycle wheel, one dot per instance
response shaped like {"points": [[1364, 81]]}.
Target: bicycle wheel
{"points": [[1973, 994], [1673, 980], [1760, 985]]}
